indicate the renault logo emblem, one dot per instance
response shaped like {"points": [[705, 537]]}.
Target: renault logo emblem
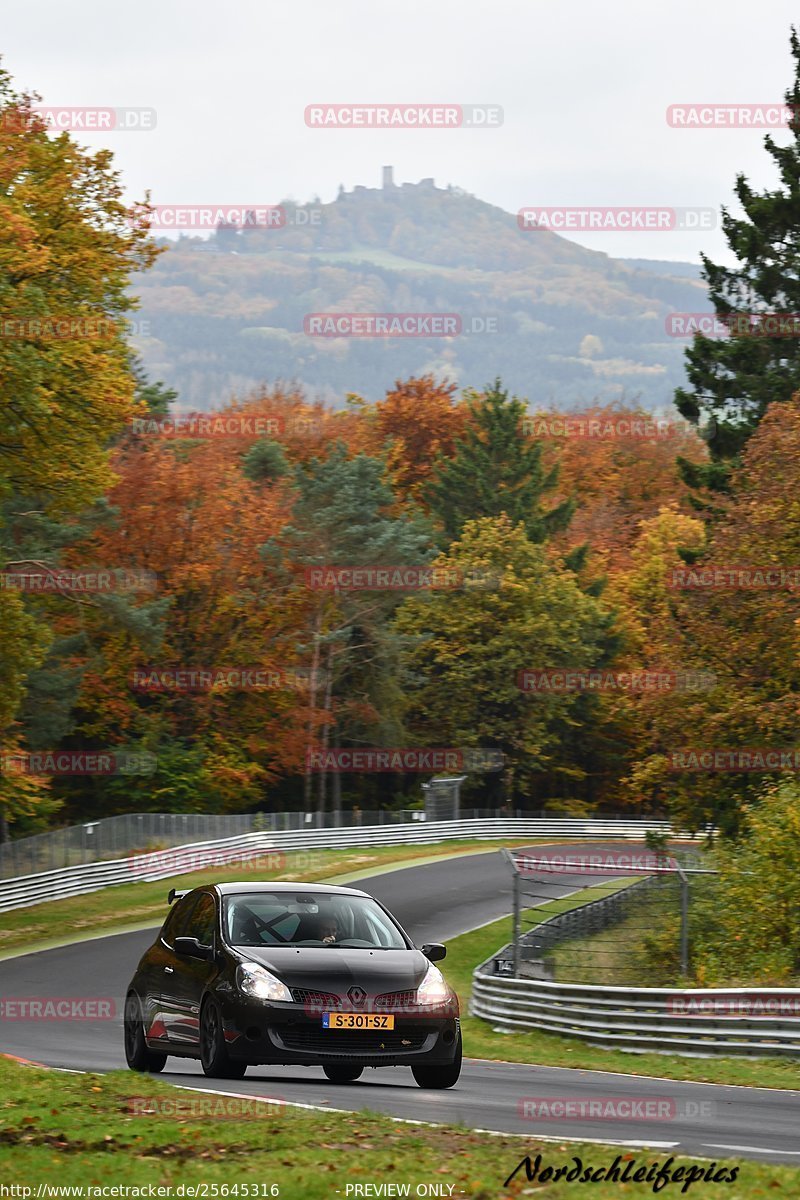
{"points": [[357, 995]]}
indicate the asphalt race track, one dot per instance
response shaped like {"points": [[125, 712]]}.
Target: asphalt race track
{"points": [[434, 903]]}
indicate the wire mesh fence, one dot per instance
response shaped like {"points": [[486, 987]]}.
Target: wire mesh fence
{"points": [[116, 837], [616, 918]]}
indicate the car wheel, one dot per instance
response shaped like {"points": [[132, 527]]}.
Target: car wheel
{"points": [[214, 1057], [440, 1077], [137, 1055], [343, 1074]]}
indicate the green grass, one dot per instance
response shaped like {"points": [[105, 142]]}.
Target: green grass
{"points": [[139, 904], [549, 1049], [379, 258], [63, 1130], [622, 955]]}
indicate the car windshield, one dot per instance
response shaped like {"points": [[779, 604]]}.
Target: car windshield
{"points": [[322, 919]]}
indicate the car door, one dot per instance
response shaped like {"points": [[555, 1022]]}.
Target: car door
{"points": [[190, 976], [159, 991]]}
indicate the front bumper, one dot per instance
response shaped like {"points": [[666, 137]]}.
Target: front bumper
{"points": [[258, 1033]]}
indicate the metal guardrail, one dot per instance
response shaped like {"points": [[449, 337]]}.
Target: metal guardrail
{"points": [[126, 833], [26, 890], [113, 837], [643, 1018], [762, 1022]]}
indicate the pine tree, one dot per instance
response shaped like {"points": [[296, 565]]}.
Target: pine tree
{"points": [[343, 516], [496, 470], [735, 378]]}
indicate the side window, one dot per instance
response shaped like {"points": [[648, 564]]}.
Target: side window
{"points": [[178, 920], [203, 920]]}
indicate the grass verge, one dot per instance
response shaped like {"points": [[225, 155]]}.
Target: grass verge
{"points": [[106, 1130]]}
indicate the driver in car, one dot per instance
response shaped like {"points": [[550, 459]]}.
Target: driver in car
{"points": [[327, 930]]}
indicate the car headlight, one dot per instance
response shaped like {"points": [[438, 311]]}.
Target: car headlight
{"points": [[260, 984], [433, 989]]}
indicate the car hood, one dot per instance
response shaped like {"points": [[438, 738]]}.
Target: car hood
{"points": [[331, 969]]}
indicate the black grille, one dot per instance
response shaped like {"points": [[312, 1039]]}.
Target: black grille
{"points": [[406, 999], [337, 1041], [322, 1000]]}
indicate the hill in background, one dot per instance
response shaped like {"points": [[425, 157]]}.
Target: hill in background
{"points": [[561, 324]]}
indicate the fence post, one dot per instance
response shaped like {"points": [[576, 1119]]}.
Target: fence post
{"points": [[684, 921]]}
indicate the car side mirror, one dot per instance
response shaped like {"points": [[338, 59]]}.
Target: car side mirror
{"points": [[434, 951], [189, 947]]}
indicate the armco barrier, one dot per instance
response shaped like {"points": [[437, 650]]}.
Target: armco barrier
{"points": [[638, 1019], [75, 881]]}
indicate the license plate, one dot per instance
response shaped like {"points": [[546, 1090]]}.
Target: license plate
{"points": [[346, 1020]]}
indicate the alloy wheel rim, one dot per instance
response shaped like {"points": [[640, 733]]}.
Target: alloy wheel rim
{"points": [[210, 1034], [131, 1026]]}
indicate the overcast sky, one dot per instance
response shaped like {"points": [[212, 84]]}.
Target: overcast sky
{"points": [[584, 87]]}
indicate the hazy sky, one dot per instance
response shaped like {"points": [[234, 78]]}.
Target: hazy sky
{"points": [[584, 87]]}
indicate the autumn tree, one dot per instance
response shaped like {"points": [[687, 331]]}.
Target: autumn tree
{"points": [[186, 512], [619, 463], [748, 926], [67, 249], [421, 420], [744, 637], [470, 645], [68, 246]]}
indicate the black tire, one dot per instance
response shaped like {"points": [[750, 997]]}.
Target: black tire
{"points": [[137, 1055], [214, 1057], [440, 1077], [342, 1074]]}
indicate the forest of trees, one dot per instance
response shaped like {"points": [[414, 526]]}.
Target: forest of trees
{"points": [[570, 552]]}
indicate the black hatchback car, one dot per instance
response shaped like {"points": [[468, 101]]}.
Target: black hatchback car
{"points": [[291, 973]]}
